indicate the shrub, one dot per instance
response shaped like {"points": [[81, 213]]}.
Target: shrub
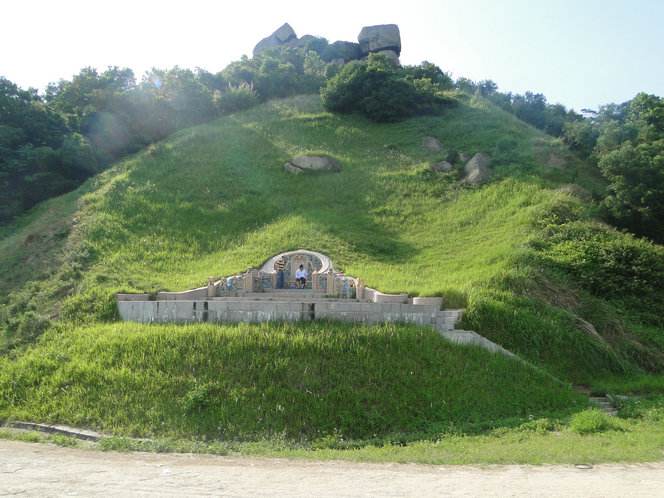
{"points": [[608, 262], [90, 306], [592, 421], [236, 99], [30, 326], [381, 91]]}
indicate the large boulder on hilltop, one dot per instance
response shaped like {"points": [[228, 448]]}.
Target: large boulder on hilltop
{"points": [[281, 36], [477, 169], [303, 164], [379, 38], [348, 51]]}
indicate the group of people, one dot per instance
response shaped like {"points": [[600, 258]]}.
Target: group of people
{"points": [[301, 274]]}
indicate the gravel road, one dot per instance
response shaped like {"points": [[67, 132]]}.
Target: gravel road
{"points": [[28, 469]]}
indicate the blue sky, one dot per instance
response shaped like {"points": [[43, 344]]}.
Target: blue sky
{"points": [[580, 53]]}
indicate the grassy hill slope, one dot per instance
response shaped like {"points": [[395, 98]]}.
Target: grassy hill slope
{"points": [[214, 199], [296, 381]]}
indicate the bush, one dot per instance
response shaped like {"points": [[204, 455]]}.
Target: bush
{"points": [[90, 306], [30, 326], [381, 91], [237, 99], [592, 421], [608, 262]]}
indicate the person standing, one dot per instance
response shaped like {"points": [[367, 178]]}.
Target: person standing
{"points": [[280, 266]]}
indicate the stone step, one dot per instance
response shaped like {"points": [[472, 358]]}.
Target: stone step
{"points": [[604, 404]]}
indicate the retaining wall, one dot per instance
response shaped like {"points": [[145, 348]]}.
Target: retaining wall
{"points": [[254, 311]]}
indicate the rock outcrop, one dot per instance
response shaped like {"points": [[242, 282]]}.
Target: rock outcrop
{"points": [[379, 38], [477, 169], [303, 164], [281, 36], [431, 144], [384, 39], [348, 51], [442, 167]]}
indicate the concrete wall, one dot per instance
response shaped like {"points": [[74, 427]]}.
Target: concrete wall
{"points": [[254, 311]]}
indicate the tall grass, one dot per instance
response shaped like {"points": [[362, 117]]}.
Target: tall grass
{"points": [[254, 381]]}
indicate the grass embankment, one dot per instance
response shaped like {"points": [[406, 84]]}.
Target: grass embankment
{"points": [[300, 382], [214, 199], [637, 436]]}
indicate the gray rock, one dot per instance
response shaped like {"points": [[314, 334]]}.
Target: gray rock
{"points": [[304, 41], [280, 37], [284, 33], [442, 167], [477, 169], [380, 37], [302, 164], [348, 51], [431, 144]]}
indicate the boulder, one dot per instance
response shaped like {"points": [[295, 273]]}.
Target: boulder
{"points": [[380, 37], [431, 144], [347, 51], [303, 164], [477, 169], [280, 37], [442, 167]]}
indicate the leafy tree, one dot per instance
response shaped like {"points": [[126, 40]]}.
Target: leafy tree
{"points": [[636, 191], [581, 136]]}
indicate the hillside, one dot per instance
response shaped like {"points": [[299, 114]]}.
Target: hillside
{"points": [[214, 199], [263, 381]]}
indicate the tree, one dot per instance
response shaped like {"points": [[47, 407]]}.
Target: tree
{"points": [[636, 191]]}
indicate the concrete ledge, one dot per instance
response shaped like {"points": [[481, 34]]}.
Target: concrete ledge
{"points": [[133, 297], [436, 302], [379, 297], [57, 429], [200, 293], [470, 338]]}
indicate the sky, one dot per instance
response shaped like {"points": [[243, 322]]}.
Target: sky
{"points": [[581, 53]]}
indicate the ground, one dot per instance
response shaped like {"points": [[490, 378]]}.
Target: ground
{"points": [[45, 470]]}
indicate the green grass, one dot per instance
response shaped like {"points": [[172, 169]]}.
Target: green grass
{"points": [[250, 382], [640, 438], [214, 200]]}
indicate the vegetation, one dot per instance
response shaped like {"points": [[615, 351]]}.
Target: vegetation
{"points": [[383, 91], [298, 381], [523, 254], [51, 143], [216, 197], [640, 438]]}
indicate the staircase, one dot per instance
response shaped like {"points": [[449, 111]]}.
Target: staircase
{"points": [[605, 404], [294, 295], [445, 324]]}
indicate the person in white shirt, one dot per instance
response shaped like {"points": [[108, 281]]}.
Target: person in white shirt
{"points": [[301, 277]]}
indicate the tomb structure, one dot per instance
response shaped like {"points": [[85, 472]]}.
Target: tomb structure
{"points": [[271, 293]]}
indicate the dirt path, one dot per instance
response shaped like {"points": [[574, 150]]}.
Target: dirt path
{"points": [[44, 470]]}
